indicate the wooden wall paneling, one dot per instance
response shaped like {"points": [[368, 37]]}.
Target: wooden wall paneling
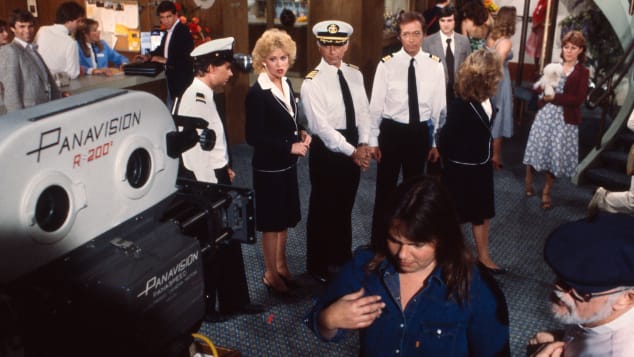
{"points": [[237, 89], [365, 44], [371, 36]]}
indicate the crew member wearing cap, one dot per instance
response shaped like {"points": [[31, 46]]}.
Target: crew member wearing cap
{"points": [[593, 261], [336, 107], [408, 98], [224, 271]]}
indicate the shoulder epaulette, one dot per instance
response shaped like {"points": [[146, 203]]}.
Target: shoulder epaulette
{"points": [[386, 58], [200, 97], [312, 74], [353, 66], [434, 57]]}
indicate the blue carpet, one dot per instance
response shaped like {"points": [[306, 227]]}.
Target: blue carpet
{"points": [[518, 232]]}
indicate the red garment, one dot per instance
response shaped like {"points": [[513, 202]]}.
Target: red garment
{"points": [[539, 14], [574, 94]]}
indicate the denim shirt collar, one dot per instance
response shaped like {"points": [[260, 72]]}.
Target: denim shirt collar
{"points": [[389, 275]]}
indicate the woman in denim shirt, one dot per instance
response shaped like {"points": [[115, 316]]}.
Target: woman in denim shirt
{"points": [[418, 293]]}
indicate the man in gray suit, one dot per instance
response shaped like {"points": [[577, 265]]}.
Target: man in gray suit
{"points": [[451, 47], [23, 74]]}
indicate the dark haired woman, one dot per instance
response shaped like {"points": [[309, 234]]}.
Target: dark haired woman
{"points": [[94, 53], [553, 141], [419, 293], [4, 33]]}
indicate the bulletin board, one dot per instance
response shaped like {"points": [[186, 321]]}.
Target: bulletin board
{"points": [[118, 22]]}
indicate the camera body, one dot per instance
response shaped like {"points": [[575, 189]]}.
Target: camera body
{"points": [[75, 168], [101, 249]]}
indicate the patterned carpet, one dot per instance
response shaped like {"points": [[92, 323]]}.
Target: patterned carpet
{"points": [[518, 232]]}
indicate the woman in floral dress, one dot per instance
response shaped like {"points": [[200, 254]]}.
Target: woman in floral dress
{"points": [[553, 141]]}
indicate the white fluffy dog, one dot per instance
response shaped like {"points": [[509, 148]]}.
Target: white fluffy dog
{"points": [[550, 79]]}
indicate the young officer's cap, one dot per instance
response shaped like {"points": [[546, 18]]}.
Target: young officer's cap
{"points": [[332, 32], [595, 255], [221, 48]]}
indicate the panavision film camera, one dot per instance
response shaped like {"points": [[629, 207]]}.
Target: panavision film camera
{"points": [[100, 248]]}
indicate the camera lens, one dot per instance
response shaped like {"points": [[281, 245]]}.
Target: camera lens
{"points": [[138, 168], [52, 208]]}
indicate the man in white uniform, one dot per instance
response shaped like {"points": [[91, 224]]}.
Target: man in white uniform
{"points": [[224, 271], [56, 43], [408, 97], [336, 107], [593, 295]]}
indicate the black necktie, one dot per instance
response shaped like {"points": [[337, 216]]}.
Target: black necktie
{"points": [[347, 101], [414, 114], [450, 64]]}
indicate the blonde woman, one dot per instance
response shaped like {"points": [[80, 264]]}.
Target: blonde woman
{"points": [[278, 141], [465, 145], [499, 40]]}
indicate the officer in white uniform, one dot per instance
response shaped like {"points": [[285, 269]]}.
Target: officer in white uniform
{"points": [[224, 271], [404, 117], [593, 295], [198, 101], [337, 111]]}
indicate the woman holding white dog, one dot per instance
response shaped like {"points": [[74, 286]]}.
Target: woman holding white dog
{"points": [[552, 145]]}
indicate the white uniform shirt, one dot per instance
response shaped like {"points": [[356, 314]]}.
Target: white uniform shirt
{"points": [[325, 109], [389, 92], [58, 49], [169, 33], [198, 101], [614, 339], [443, 42]]}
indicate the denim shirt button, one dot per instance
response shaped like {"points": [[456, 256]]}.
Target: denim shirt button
{"points": [[402, 325], [439, 332], [397, 351]]}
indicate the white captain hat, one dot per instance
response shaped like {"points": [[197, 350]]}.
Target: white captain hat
{"points": [[221, 48], [332, 32]]}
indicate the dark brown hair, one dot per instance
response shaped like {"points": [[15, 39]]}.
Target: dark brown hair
{"points": [[576, 38], [82, 36], [410, 16], [19, 15], [69, 11], [422, 211]]}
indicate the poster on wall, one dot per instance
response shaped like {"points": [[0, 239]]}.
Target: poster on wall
{"points": [[118, 22]]}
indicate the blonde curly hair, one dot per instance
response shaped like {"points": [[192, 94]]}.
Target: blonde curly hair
{"points": [[271, 40], [479, 75]]}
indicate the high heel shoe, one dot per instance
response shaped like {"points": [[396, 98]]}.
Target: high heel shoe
{"points": [[290, 282], [278, 291]]}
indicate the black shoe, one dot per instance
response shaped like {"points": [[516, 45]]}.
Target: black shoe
{"points": [[494, 271], [215, 317], [291, 283], [320, 277], [251, 309]]}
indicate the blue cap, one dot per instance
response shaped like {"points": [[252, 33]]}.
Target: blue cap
{"points": [[593, 255]]}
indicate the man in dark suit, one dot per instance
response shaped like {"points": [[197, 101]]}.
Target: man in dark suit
{"points": [[23, 74], [459, 46], [432, 16], [173, 51]]}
